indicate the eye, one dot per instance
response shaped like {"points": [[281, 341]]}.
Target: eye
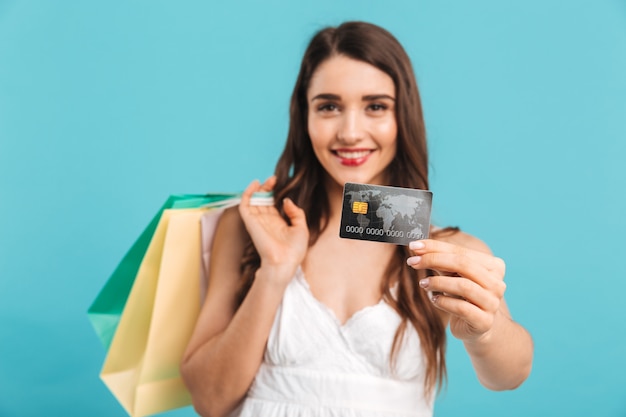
{"points": [[327, 107], [377, 107]]}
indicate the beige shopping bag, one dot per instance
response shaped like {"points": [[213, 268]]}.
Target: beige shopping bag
{"points": [[142, 364]]}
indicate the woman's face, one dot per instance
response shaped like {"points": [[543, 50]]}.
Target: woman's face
{"points": [[351, 120]]}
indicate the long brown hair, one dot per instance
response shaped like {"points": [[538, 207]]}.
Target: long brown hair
{"points": [[300, 176]]}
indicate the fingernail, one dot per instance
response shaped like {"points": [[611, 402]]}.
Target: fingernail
{"points": [[424, 282], [434, 298], [413, 260], [416, 245]]}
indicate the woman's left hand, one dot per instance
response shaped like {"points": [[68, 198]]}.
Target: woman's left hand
{"points": [[472, 291]]}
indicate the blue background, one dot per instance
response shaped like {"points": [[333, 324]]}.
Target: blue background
{"points": [[106, 108]]}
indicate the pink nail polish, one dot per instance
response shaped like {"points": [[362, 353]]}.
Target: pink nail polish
{"points": [[413, 260], [416, 245]]}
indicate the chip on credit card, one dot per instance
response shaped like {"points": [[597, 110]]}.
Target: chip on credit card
{"points": [[385, 214]]}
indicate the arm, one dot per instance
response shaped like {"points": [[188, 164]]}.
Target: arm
{"points": [[227, 346], [500, 349], [502, 358]]}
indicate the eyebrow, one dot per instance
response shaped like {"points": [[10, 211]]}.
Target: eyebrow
{"points": [[378, 97], [371, 97]]}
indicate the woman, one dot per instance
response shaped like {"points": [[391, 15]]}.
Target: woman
{"points": [[300, 322]]}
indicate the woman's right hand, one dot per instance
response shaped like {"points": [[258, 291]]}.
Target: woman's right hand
{"points": [[281, 246]]}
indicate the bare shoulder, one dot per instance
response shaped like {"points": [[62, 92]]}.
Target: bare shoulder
{"points": [[231, 220], [229, 241], [463, 239]]}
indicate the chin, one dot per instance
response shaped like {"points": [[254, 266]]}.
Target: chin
{"points": [[358, 178]]}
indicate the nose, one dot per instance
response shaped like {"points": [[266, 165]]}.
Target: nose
{"points": [[351, 129]]}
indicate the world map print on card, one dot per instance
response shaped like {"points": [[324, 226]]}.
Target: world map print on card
{"points": [[385, 214]]}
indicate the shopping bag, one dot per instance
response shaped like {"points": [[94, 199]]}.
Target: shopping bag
{"points": [[142, 364], [104, 313], [208, 224]]}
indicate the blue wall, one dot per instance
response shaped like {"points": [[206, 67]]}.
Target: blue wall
{"points": [[106, 108]]}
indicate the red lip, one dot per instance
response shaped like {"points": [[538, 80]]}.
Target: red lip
{"points": [[351, 160]]}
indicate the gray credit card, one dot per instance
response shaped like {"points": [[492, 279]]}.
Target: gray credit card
{"points": [[385, 214]]}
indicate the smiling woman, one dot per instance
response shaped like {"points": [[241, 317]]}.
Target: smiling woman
{"points": [[300, 322]]}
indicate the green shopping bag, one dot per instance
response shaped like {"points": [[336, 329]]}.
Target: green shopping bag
{"points": [[104, 313]]}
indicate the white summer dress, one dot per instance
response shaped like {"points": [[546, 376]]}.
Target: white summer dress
{"points": [[315, 366]]}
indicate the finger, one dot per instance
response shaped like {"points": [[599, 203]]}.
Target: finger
{"points": [[462, 265], [420, 247], [295, 214], [499, 265], [269, 184], [485, 299], [479, 320], [253, 187], [246, 195], [431, 245]]}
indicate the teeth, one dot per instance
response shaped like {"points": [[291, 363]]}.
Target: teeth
{"points": [[352, 155]]}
